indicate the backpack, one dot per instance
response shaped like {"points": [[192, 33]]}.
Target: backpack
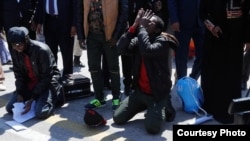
{"points": [[191, 95]]}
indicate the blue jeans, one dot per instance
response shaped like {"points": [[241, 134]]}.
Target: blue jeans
{"points": [[44, 104]]}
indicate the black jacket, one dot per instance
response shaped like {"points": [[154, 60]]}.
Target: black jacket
{"points": [[66, 15], [43, 65], [11, 13], [156, 53]]}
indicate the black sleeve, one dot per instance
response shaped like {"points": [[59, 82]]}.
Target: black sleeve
{"points": [[122, 19], [79, 19]]}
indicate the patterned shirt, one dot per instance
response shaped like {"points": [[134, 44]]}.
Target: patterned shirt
{"points": [[95, 17]]}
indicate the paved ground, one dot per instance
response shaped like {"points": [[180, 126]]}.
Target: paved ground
{"points": [[67, 123]]}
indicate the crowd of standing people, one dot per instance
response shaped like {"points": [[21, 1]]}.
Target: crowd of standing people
{"points": [[132, 30]]}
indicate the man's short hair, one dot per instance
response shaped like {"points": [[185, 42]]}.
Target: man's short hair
{"points": [[17, 34], [159, 24]]}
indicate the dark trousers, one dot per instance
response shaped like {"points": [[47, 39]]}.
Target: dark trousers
{"points": [[138, 102], [26, 23], [246, 66], [181, 57], [56, 36], [127, 65], [44, 104], [221, 72], [105, 70], [96, 47]]}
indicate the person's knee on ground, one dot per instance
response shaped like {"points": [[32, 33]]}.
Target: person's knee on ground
{"points": [[154, 120], [120, 115], [9, 108], [119, 121], [44, 111], [169, 110]]}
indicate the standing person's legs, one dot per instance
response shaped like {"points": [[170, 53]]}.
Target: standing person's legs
{"points": [[50, 34], [105, 71], [181, 54], [2, 78], [127, 64], [245, 69], [114, 72], [198, 38], [77, 52], [94, 53], [4, 52], [66, 43], [25, 21], [6, 29]]}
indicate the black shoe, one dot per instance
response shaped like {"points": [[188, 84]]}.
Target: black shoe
{"points": [[8, 63], [78, 64], [11, 68], [64, 79], [170, 113], [243, 85], [127, 91], [224, 119], [60, 98]]}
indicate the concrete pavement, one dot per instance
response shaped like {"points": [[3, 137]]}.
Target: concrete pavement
{"points": [[67, 123]]}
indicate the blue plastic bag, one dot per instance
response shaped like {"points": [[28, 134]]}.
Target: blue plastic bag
{"points": [[191, 95]]}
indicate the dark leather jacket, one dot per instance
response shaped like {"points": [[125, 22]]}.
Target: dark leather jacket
{"points": [[11, 10], [157, 58], [43, 65]]}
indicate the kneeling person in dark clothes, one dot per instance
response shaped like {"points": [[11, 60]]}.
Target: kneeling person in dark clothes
{"points": [[36, 74], [151, 50]]}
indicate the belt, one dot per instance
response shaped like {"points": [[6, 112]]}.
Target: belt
{"points": [[52, 16], [234, 14]]}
